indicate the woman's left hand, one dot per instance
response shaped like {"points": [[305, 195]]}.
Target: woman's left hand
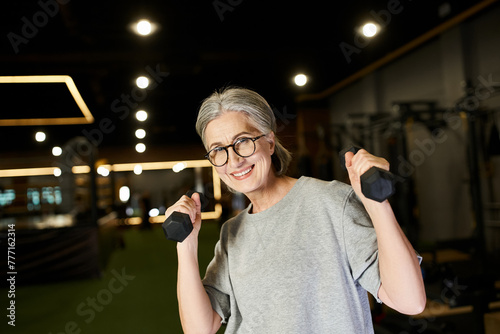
{"points": [[402, 286], [357, 164]]}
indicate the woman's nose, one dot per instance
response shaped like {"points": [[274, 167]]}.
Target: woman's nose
{"points": [[234, 160]]}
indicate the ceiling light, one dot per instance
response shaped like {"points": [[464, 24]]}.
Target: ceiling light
{"points": [[140, 147], [154, 212], [179, 167], [103, 171], [40, 136], [70, 84], [370, 29], [142, 82], [144, 27], [124, 194], [300, 79], [57, 172], [141, 115], [140, 133], [137, 169], [56, 151]]}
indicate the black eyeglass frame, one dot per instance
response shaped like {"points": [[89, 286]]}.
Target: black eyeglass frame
{"points": [[207, 156]]}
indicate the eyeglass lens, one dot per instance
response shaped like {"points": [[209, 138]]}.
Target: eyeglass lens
{"points": [[244, 148]]}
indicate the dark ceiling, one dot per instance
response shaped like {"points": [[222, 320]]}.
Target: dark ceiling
{"points": [[200, 46]]}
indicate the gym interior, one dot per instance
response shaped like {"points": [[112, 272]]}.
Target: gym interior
{"points": [[98, 139]]}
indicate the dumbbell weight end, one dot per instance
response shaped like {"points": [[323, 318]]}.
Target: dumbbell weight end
{"points": [[178, 225], [376, 184]]}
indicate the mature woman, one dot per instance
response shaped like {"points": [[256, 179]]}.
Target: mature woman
{"points": [[301, 257]]}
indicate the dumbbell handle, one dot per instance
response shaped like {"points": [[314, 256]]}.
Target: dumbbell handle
{"points": [[376, 183], [178, 225]]}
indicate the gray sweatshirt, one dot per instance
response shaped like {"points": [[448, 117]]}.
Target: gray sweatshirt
{"points": [[302, 266]]}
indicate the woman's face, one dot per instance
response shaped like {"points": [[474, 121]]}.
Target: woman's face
{"points": [[245, 175]]}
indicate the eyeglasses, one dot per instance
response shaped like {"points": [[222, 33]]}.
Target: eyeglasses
{"points": [[244, 147]]}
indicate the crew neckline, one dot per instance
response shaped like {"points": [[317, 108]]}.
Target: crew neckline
{"points": [[280, 205]]}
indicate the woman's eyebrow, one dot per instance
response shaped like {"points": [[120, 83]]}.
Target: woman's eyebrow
{"points": [[234, 138]]}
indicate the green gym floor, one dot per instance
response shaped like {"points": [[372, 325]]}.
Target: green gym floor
{"points": [[136, 294]]}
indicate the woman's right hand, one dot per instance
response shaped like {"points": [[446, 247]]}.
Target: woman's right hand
{"points": [[195, 309], [192, 207]]}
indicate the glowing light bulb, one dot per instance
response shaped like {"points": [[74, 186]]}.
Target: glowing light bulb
{"points": [[103, 171], [144, 27], [40, 136], [124, 194], [137, 169], [140, 133], [140, 147], [300, 79], [142, 82], [56, 151], [370, 29], [178, 167], [141, 115], [154, 212]]}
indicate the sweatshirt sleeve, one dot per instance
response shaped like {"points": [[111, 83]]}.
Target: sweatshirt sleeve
{"points": [[360, 242]]}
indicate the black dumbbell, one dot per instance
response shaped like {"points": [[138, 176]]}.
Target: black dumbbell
{"points": [[178, 225], [376, 183]]}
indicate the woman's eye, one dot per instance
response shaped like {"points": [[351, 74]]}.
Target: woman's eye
{"points": [[240, 141]]}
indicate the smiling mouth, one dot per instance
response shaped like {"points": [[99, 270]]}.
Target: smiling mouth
{"points": [[244, 172]]}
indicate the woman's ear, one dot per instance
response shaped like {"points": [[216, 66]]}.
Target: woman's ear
{"points": [[271, 140]]}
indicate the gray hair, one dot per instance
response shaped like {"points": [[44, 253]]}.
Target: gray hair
{"points": [[257, 110]]}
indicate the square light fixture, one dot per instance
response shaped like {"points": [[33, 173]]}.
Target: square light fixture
{"points": [[86, 117]]}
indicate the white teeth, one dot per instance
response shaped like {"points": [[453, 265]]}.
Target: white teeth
{"points": [[243, 173]]}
